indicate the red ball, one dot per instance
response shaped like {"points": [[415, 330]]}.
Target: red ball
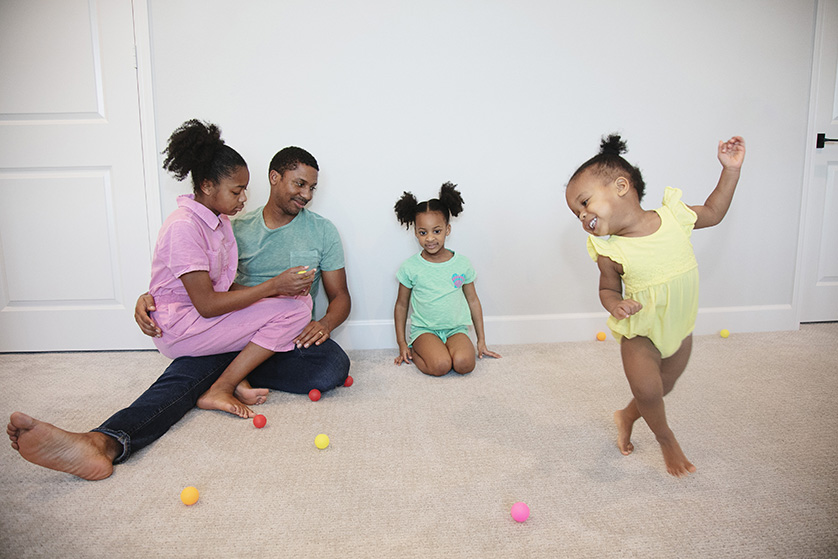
{"points": [[349, 381], [259, 421], [314, 395]]}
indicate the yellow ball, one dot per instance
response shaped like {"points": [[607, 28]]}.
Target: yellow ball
{"points": [[321, 441], [601, 336], [724, 333], [189, 495]]}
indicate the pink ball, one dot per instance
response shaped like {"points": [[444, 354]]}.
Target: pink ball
{"points": [[314, 395], [349, 381], [259, 421], [520, 512]]}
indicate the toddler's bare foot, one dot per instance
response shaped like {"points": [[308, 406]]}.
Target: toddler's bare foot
{"points": [[676, 461], [214, 399], [624, 427], [86, 455], [249, 395]]}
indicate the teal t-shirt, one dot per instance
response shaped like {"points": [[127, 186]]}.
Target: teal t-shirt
{"points": [[309, 240], [437, 291]]}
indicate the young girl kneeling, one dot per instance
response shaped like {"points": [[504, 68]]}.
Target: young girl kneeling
{"points": [[439, 283]]}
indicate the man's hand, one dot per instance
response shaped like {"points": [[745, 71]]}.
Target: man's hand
{"points": [[144, 306], [315, 333]]}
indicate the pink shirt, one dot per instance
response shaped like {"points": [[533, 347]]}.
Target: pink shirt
{"points": [[192, 239]]}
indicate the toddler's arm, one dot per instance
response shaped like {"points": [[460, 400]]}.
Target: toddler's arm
{"points": [[400, 320], [731, 155], [611, 290], [477, 319]]}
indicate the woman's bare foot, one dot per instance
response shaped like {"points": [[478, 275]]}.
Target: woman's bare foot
{"points": [[249, 395], [214, 399], [86, 455], [624, 427], [676, 461]]}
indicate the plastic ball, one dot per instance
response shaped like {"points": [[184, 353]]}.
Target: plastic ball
{"points": [[520, 512], [189, 495], [600, 336], [314, 394], [724, 333], [349, 381], [259, 420], [321, 441]]}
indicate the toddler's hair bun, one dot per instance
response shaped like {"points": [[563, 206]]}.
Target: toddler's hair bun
{"points": [[612, 145]]}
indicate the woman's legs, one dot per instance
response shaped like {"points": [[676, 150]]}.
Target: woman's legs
{"points": [[231, 392]]}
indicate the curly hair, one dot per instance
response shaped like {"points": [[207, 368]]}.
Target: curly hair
{"points": [[450, 203], [196, 148], [609, 164]]}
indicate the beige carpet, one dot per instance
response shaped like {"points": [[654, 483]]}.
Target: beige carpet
{"points": [[427, 467]]}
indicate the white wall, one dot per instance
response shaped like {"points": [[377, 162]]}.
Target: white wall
{"points": [[506, 99]]}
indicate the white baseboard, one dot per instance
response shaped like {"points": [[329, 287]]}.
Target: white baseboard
{"points": [[550, 328]]}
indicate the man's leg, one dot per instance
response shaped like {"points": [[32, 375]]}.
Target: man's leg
{"points": [[91, 455], [165, 402], [298, 371]]}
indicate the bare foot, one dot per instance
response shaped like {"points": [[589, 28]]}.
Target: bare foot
{"points": [[214, 399], [86, 455], [246, 394], [676, 461], [624, 427]]}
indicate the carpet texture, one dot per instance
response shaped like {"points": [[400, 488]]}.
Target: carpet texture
{"points": [[429, 467]]}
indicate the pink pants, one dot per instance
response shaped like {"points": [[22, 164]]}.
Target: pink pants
{"points": [[271, 323]]}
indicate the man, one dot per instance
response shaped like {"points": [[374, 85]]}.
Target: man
{"points": [[282, 238]]}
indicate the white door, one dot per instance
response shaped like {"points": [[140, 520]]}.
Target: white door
{"points": [[74, 242], [819, 266]]}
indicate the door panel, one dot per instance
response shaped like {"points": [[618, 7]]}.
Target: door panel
{"points": [[74, 251], [819, 272]]}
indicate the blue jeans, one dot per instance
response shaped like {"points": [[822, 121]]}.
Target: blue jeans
{"points": [[177, 390]]}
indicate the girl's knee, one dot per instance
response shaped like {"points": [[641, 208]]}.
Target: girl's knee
{"points": [[437, 367], [463, 365]]}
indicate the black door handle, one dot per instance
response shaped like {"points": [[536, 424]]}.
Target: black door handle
{"points": [[822, 139]]}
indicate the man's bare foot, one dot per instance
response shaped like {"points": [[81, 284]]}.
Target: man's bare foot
{"points": [[246, 394], [676, 461], [214, 399], [624, 427], [86, 455]]}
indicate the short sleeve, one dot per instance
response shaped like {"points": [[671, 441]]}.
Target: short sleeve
{"points": [[683, 214], [332, 258], [404, 276], [470, 274], [186, 249], [600, 246]]}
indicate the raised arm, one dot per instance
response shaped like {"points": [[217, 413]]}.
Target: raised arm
{"points": [[731, 155]]}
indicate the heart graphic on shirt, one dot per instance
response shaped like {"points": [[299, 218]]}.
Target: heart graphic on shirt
{"points": [[458, 279]]}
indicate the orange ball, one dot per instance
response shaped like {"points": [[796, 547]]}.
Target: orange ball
{"points": [[601, 336], [189, 495]]}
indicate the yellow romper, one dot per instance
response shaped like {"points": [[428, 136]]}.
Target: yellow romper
{"points": [[659, 272]]}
